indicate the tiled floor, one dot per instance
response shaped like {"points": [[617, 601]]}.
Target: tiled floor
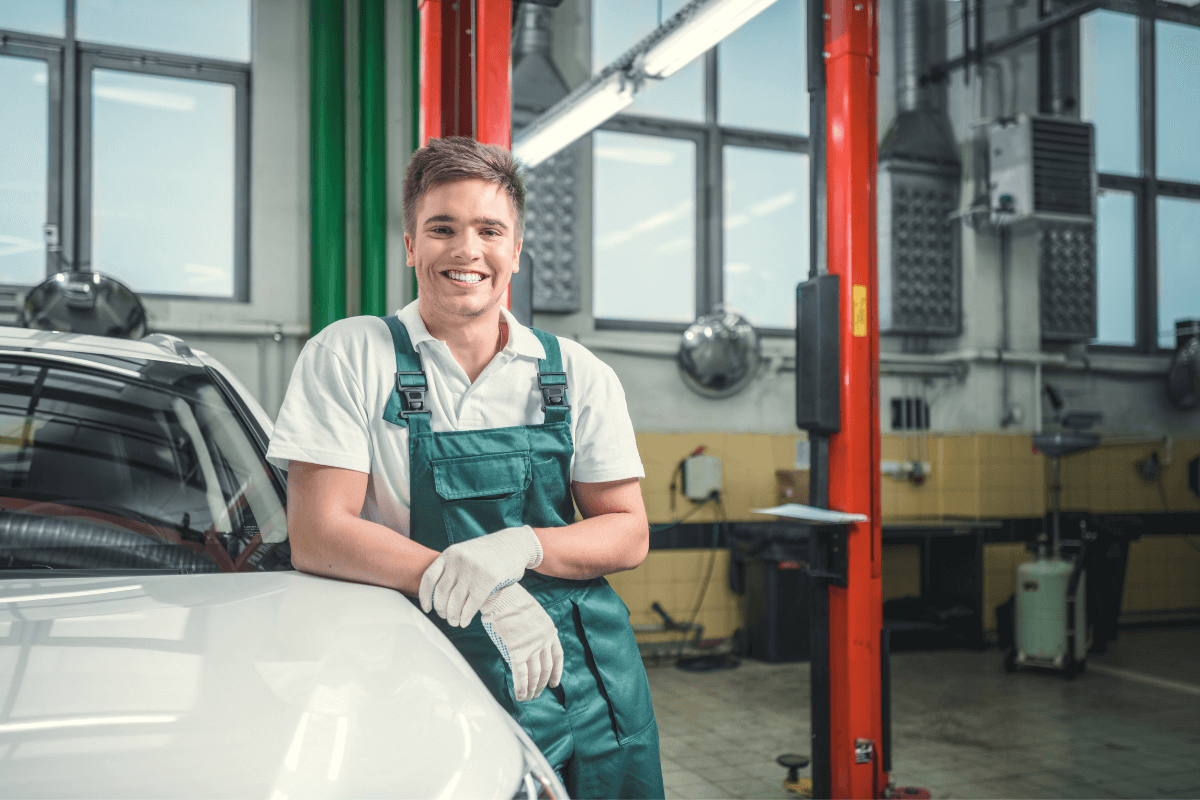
{"points": [[961, 727]]}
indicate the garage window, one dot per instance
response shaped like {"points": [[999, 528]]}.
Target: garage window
{"points": [[126, 122], [701, 186]]}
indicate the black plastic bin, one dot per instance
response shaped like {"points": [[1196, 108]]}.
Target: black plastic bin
{"points": [[768, 567]]}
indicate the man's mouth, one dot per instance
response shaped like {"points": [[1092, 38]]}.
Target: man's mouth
{"points": [[463, 277]]}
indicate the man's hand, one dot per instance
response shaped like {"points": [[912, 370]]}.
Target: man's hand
{"points": [[462, 578], [525, 635]]}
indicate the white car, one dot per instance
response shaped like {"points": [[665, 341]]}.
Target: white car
{"points": [[154, 640]]}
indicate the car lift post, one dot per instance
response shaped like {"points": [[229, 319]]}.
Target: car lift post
{"points": [[465, 82], [855, 628]]}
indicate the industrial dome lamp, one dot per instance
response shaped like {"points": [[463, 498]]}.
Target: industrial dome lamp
{"points": [[719, 354], [1183, 375], [84, 302]]}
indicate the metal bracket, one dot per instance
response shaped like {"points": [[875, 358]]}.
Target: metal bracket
{"points": [[827, 551], [553, 394], [412, 398]]}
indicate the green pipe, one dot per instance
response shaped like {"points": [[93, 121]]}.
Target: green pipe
{"points": [[416, 97], [327, 146], [373, 158]]}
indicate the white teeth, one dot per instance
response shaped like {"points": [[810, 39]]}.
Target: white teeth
{"points": [[465, 277]]}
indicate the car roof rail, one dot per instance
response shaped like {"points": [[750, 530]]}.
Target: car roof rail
{"points": [[172, 344]]}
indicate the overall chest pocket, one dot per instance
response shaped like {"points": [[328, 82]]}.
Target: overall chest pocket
{"points": [[481, 494]]}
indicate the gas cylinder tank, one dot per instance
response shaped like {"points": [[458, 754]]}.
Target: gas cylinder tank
{"points": [[1041, 612]]}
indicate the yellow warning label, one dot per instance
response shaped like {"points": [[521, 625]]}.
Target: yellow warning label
{"points": [[859, 296]]}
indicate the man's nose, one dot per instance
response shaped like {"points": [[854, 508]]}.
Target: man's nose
{"points": [[468, 246]]}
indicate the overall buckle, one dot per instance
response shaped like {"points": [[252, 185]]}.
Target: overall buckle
{"points": [[553, 394], [412, 398]]}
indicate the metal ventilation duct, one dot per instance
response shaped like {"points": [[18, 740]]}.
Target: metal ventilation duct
{"points": [[919, 185], [550, 187]]}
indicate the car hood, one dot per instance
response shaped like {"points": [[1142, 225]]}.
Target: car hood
{"points": [[271, 685]]}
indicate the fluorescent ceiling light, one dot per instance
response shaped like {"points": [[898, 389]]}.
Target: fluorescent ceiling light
{"points": [[710, 23], [566, 122], [697, 27]]}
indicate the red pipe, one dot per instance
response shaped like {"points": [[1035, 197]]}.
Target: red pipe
{"points": [[466, 71], [856, 611]]}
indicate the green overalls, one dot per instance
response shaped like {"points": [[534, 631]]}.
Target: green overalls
{"points": [[597, 728]]}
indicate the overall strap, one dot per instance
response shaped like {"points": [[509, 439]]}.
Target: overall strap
{"points": [[406, 405], [552, 380]]}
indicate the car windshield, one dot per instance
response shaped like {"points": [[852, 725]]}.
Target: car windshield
{"points": [[107, 469]]}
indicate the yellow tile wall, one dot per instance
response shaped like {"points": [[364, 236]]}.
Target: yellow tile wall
{"points": [[748, 464], [1163, 574], [675, 578], [973, 476], [1106, 479]]}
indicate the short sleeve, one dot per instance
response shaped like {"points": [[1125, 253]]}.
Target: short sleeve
{"points": [[605, 446], [323, 418]]}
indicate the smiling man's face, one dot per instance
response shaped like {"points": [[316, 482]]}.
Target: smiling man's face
{"points": [[464, 249]]}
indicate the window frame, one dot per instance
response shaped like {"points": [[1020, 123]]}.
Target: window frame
{"points": [[710, 137], [93, 57], [1146, 187], [46, 51], [69, 179]]}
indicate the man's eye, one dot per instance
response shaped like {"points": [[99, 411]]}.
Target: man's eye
{"points": [[441, 230]]}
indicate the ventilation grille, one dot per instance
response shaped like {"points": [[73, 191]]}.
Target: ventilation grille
{"points": [[919, 259], [550, 233], [1062, 166], [1067, 260]]}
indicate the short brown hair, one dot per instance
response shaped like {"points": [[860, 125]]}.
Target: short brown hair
{"points": [[459, 158]]}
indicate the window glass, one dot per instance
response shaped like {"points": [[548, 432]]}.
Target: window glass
{"points": [[1108, 78], [210, 28], [23, 164], [163, 183], [1178, 265], [616, 27], [1177, 105], [47, 17], [133, 475], [766, 233], [1116, 268], [644, 237], [763, 72]]}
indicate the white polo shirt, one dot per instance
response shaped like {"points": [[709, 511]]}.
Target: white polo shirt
{"points": [[332, 413]]}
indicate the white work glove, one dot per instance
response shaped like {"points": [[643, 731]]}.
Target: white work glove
{"points": [[525, 635], [465, 574]]}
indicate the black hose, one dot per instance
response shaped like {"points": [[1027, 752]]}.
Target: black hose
{"points": [[73, 543]]}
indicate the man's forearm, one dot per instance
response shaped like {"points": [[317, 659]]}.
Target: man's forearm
{"points": [[362, 551], [593, 547], [328, 537]]}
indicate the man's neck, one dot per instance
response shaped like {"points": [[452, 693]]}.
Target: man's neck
{"points": [[473, 341]]}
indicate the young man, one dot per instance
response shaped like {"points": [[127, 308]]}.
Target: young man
{"points": [[438, 451]]}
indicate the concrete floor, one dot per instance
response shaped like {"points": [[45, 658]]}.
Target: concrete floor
{"points": [[1129, 727]]}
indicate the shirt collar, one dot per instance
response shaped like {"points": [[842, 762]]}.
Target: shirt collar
{"points": [[521, 340]]}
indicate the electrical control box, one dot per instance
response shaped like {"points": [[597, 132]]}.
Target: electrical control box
{"points": [[1041, 167], [701, 477]]}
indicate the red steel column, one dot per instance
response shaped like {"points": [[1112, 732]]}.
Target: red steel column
{"points": [[493, 72], [856, 611], [466, 71]]}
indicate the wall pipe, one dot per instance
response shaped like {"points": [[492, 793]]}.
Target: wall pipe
{"points": [[327, 151], [372, 71]]}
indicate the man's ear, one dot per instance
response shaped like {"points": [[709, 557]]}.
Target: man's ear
{"points": [[517, 255], [410, 255]]}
